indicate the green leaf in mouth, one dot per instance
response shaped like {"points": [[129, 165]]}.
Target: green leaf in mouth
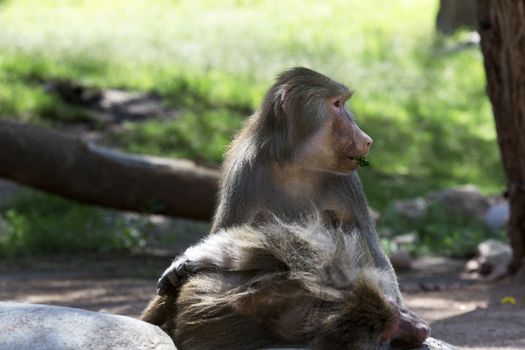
{"points": [[361, 161]]}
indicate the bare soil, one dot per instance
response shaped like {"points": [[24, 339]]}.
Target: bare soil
{"points": [[461, 310]]}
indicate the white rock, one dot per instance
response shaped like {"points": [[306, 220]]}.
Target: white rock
{"points": [[493, 253], [43, 327], [436, 344], [498, 215], [494, 257], [472, 265]]}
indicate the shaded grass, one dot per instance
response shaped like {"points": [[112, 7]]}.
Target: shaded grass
{"points": [[195, 134], [43, 224]]}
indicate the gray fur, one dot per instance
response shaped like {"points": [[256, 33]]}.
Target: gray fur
{"points": [[311, 274], [266, 144]]}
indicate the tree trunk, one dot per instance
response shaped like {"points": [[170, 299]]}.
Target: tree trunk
{"points": [[76, 169], [502, 30]]}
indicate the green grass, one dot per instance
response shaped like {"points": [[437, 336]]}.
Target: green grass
{"points": [[43, 224], [423, 104], [197, 135]]}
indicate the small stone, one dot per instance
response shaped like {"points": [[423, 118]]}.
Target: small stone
{"points": [[494, 253], [472, 265], [492, 260]]}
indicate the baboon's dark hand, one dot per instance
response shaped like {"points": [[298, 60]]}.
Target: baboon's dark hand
{"points": [[174, 275], [165, 284]]}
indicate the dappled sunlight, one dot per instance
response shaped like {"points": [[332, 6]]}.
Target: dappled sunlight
{"points": [[438, 306], [425, 107]]}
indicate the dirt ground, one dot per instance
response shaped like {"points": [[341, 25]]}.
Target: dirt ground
{"points": [[462, 311]]}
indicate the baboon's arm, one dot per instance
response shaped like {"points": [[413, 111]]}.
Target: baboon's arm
{"points": [[240, 250]]}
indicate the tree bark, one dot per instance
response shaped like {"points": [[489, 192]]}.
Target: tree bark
{"points": [[502, 30], [76, 169]]}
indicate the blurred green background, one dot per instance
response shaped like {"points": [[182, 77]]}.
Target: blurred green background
{"points": [[421, 99]]}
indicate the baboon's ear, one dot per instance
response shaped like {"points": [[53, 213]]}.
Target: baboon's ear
{"points": [[281, 99]]}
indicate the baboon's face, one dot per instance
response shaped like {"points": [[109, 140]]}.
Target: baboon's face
{"points": [[338, 143], [366, 320]]}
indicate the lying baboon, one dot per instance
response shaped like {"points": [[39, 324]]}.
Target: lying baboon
{"points": [[270, 284], [297, 153]]}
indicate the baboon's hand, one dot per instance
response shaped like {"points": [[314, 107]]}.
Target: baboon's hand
{"points": [[174, 275]]}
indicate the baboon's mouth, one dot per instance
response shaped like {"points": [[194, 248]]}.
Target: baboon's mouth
{"points": [[361, 161]]}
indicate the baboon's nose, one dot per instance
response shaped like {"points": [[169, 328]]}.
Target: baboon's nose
{"points": [[366, 141], [363, 142]]}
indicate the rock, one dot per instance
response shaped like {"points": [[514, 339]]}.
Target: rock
{"points": [[466, 200], [430, 344], [406, 239], [493, 256], [401, 260], [43, 327], [411, 209], [472, 266], [497, 215], [494, 252], [436, 344]]}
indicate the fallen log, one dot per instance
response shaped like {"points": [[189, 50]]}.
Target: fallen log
{"points": [[77, 169]]}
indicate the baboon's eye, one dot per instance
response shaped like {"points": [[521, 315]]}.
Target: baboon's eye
{"points": [[338, 103]]}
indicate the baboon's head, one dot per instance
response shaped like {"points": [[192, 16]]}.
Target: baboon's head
{"points": [[364, 319], [304, 120]]}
